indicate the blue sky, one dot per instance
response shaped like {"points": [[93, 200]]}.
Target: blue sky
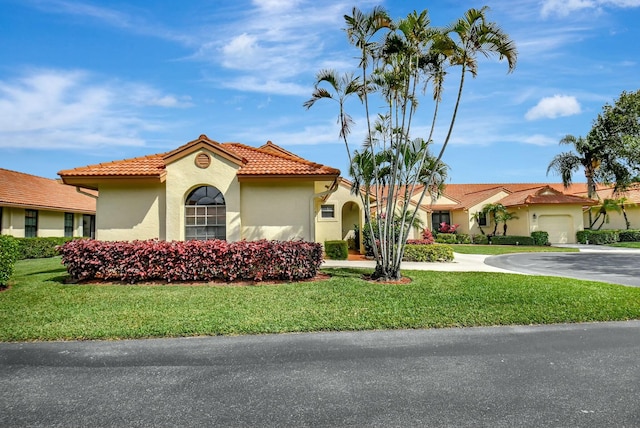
{"points": [[83, 82]]}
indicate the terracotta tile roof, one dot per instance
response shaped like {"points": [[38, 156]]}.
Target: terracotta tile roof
{"points": [[544, 195], [145, 166], [270, 160], [30, 191]]}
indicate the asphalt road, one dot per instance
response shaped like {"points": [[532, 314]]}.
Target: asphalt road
{"points": [[606, 266], [581, 375]]}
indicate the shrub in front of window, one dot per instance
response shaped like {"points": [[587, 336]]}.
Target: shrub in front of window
{"points": [[540, 238], [8, 257], [39, 248], [448, 228], [446, 238], [210, 260], [336, 250], [427, 253]]}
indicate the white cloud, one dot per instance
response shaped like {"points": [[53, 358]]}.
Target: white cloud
{"points": [[66, 109], [564, 8], [553, 107], [540, 140]]}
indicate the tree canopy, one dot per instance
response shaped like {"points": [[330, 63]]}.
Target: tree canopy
{"points": [[398, 61]]}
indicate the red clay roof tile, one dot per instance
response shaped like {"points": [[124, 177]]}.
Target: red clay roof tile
{"points": [[30, 191]]}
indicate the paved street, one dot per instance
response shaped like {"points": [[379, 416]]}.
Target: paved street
{"points": [[582, 375]]}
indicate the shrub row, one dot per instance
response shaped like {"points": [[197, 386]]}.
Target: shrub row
{"points": [[427, 253], [8, 256], [191, 260], [511, 240], [603, 237], [540, 237], [39, 248], [336, 250]]}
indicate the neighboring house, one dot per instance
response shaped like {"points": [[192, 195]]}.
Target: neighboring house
{"points": [[33, 206], [205, 189], [547, 207]]}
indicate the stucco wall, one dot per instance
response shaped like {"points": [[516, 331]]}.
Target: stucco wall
{"points": [[616, 220], [574, 212], [130, 211], [50, 223], [276, 210], [183, 176], [347, 209], [470, 226]]}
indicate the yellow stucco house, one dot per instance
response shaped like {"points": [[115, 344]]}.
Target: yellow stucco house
{"points": [[32, 206], [205, 189]]}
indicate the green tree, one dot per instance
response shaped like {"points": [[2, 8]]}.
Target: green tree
{"points": [[617, 131], [494, 211], [607, 206], [503, 217], [397, 62]]}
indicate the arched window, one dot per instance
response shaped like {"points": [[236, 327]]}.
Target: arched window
{"points": [[205, 214]]}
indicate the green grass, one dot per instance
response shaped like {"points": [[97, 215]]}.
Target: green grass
{"points": [[507, 249], [39, 306], [626, 244]]}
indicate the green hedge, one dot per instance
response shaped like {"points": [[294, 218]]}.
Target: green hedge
{"points": [[463, 238], [336, 250], [8, 257], [428, 253], [597, 237], [629, 235], [39, 248], [512, 240], [480, 239], [446, 238], [540, 238]]}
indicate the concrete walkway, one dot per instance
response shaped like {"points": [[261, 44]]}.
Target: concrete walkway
{"points": [[461, 263]]}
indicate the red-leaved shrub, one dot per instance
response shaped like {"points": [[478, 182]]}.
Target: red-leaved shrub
{"points": [[154, 260], [448, 228]]}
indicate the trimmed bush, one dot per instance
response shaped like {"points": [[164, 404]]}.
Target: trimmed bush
{"points": [[419, 241], [463, 238], [540, 238], [480, 239], [8, 256], [512, 240], [446, 238], [39, 248], [597, 237], [336, 250], [629, 235], [191, 260], [428, 253]]}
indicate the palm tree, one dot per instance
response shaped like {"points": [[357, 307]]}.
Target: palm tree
{"points": [[504, 217], [587, 154], [342, 87], [607, 206], [494, 211]]}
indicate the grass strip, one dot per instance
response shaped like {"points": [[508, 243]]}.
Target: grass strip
{"points": [[493, 250], [39, 306]]}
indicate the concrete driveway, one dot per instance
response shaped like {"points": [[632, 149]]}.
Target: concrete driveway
{"points": [[595, 263]]}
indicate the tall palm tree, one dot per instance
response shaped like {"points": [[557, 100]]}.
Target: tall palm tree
{"points": [[586, 154], [342, 87]]}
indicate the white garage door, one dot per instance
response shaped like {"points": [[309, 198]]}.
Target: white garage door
{"points": [[559, 228]]}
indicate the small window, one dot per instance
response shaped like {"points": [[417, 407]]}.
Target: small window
{"points": [[327, 211], [89, 226], [30, 223], [439, 217], [482, 219], [68, 225]]}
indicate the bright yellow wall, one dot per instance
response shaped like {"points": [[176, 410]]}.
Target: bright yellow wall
{"points": [[276, 210], [183, 176], [126, 212], [616, 220], [347, 209]]}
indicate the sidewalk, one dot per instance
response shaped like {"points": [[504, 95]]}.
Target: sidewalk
{"points": [[461, 263]]}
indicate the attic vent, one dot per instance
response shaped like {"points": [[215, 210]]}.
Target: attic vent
{"points": [[547, 192], [203, 160]]}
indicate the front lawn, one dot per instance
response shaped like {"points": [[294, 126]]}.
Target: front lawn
{"points": [[39, 306], [507, 249], [626, 244]]}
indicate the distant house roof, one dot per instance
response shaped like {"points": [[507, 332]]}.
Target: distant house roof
{"points": [[544, 195], [269, 160], [29, 191]]}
